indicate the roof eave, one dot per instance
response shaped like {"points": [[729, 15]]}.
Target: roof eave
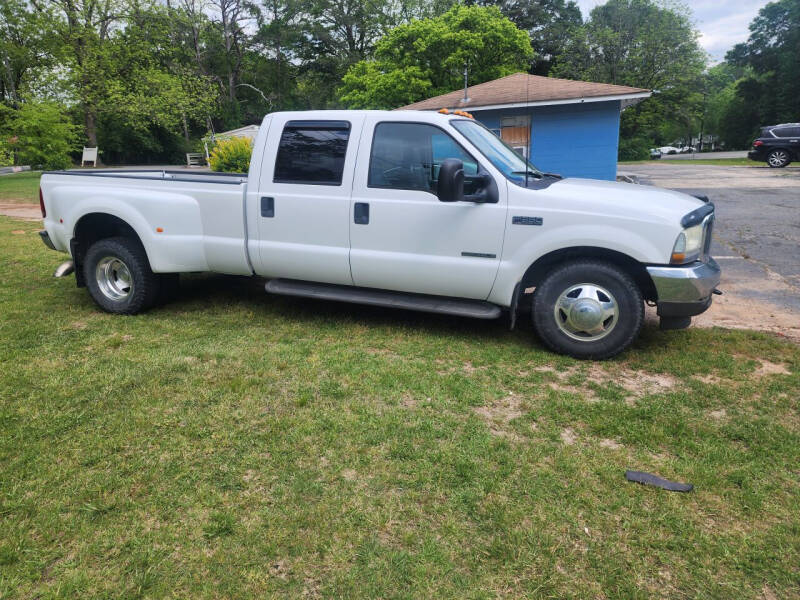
{"points": [[626, 99]]}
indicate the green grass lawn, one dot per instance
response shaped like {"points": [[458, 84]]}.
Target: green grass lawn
{"points": [[235, 445], [20, 188]]}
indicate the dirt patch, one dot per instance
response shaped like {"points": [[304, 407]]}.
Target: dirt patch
{"points": [[28, 212], [612, 444], [708, 379], [718, 414], [771, 368], [738, 309], [569, 437], [499, 414]]}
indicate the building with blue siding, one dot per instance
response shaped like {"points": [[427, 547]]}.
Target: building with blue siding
{"points": [[563, 126]]}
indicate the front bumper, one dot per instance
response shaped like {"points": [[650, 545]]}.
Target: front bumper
{"points": [[685, 291]]}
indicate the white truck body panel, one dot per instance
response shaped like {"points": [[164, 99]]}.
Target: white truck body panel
{"points": [[413, 243]]}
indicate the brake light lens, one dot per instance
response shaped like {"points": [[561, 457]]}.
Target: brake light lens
{"points": [[758, 143], [41, 203]]}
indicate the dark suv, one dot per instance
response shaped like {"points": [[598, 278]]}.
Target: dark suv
{"points": [[778, 145]]}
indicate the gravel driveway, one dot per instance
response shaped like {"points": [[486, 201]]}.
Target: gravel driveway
{"points": [[756, 239]]}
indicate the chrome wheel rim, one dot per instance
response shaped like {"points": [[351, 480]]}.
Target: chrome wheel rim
{"points": [[114, 278], [777, 159], [586, 312]]}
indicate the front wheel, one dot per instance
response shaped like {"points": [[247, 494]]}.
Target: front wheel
{"points": [[119, 277], [778, 158], [588, 309]]}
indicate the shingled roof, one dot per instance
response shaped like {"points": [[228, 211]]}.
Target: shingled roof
{"points": [[521, 89]]}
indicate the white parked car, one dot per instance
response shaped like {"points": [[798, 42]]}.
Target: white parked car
{"points": [[415, 210], [669, 150]]}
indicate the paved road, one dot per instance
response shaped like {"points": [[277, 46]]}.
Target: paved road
{"points": [[706, 155], [757, 231]]}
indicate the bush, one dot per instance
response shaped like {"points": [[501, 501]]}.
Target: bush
{"points": [[42, 135], [231, 156], [634, 149], [6, 156]]}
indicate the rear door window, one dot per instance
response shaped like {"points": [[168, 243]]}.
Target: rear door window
{"points": [[785, 132], [312, 152]]}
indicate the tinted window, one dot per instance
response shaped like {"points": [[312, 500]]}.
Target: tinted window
{"points": [[787, 131], [312, 152], [407, 156]]}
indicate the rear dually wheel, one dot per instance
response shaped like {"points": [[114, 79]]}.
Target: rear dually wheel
{"points": [[119, 277]]}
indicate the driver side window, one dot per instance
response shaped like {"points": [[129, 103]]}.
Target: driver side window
{"points": [[407, 156]]}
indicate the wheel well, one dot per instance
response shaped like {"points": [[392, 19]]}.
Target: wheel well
{"points": [[631, 266], [91, 228]]}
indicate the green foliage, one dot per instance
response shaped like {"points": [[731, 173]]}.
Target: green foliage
{"points": [[637, 148], [645, 44], [6, 155], [547, 22], [427, 57], [40, 134], [231, 156], [767, 91]]}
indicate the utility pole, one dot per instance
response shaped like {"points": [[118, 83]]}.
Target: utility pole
{"points": [[466, 82]]}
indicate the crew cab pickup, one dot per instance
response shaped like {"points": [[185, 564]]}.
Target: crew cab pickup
{"points": [[415, 210]]}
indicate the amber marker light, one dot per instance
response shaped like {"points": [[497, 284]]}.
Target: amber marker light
{"points": [[159, 230]]}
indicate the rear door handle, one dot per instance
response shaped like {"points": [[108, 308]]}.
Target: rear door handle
{"points": [[267, 206], [361, 213]]}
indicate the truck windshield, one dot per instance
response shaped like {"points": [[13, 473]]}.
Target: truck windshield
{"points": [[506, 160]]}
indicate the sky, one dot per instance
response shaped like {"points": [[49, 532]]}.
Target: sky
{"points": [[722, 23]]}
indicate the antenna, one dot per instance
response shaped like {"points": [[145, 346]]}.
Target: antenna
{"points": [[528, 108]]}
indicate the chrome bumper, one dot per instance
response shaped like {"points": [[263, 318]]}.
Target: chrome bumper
{"points": [[690, 283]]}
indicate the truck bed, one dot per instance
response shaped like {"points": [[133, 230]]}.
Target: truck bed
{"points": [[186, 221]]}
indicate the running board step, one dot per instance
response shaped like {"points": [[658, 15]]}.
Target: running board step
{"points": [[477, 309]]}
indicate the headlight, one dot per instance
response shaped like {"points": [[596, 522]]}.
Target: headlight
{"points": [[688, 245]]}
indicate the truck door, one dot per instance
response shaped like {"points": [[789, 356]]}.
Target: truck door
{"points": [[303, 199], [401, 236]]}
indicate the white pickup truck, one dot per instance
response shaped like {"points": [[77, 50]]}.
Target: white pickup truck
{"points": [[415, 210]]}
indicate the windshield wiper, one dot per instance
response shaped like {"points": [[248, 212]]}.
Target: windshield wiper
{"points": [[534, 173]]}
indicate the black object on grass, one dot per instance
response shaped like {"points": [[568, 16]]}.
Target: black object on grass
{"points": [[650, 479]]}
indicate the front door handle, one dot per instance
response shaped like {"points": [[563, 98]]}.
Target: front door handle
{"points": [[267, 206], [361, 213]]}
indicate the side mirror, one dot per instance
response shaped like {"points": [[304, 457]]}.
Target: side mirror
{"points": [[451, 181]]}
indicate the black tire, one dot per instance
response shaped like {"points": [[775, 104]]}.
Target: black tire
{"points": [[779, 158], [107, 283], [613, 335]]}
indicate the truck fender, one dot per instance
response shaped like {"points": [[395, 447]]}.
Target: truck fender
{"points": [[584, 237], [167, 224]]}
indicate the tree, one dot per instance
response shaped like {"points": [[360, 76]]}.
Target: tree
{"points": [[548, 23], [85, 28], [39, 133], [768, 91], [646, 44], [24, 47], [428, 56]]}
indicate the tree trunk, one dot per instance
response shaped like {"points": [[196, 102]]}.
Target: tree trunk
{"points": [[90, 120], [185, 127]]}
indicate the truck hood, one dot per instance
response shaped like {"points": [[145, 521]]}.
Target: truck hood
{"points": [[611, 197]]}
